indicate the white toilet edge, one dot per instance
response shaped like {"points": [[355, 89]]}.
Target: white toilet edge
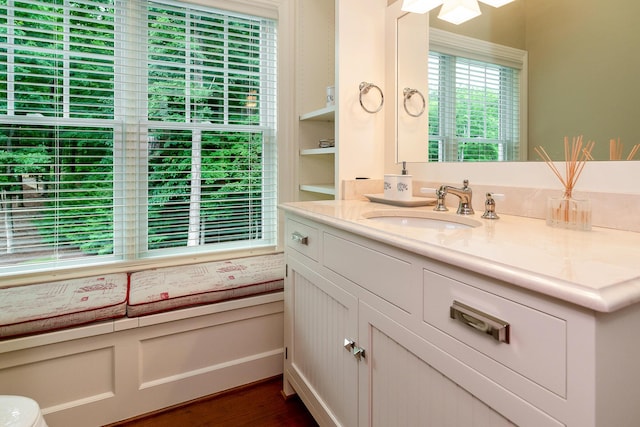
{"points": [[20, 411]]}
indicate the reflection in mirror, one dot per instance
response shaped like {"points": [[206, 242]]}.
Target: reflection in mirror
{"points": [[412, 119], [476, 111], [582, 61]]}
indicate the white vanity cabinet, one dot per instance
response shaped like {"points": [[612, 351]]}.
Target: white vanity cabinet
{"points": [[561, 365], [322, 315]]}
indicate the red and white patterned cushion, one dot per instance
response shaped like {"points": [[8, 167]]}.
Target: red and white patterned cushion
{"points": [[169, 288], [56, 305]]}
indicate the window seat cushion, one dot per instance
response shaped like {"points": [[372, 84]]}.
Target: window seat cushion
{"points": [[170, 288], [50, 306]]}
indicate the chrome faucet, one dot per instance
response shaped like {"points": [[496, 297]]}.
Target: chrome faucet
{"points": [[464, 194]]}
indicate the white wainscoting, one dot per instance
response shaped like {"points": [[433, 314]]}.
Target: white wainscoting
{"points": [[110, 371]]}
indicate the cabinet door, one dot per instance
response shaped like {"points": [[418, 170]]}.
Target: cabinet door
{"points": [[323, 371], [398, 388]]}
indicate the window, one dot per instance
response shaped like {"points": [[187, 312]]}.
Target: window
{"points": [[474, 100], [133, 129]]}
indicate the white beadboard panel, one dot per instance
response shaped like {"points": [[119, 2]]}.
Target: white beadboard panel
{"points": [[324, 317], [406, 391]]}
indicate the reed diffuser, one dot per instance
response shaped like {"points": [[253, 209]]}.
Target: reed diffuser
{"points": [[567, 211], [616, 147]]}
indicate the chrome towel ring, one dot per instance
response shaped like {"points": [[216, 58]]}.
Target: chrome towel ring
{"points": [[408, 93], [364, 89]]}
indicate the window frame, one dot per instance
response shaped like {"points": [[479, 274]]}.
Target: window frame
{"points": [[120, 260]]}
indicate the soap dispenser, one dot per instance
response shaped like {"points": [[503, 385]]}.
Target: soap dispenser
{"points": [[404, 187]]}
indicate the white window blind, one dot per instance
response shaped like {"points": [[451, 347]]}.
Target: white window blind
{"points": [[130, 129], [474, 104]]}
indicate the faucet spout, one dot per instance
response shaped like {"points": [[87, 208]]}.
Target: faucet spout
{"points": [[464, 194]]}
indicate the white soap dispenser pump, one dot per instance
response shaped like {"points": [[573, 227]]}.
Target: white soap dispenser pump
{"points": [[405, 190]]}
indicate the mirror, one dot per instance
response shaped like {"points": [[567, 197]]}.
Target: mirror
{"points": [[582, 65], [411, 116]]}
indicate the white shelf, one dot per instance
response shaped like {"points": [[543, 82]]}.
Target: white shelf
{"points": [[317, 151], [319, 188], [326, 114]]}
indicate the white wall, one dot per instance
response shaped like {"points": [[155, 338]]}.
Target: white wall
{"points": [[360, 58]]}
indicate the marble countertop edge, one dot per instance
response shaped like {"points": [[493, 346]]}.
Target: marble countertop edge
{"points": [[606, 297]]}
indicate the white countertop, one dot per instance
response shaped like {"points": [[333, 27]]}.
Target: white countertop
{"points": [[597, 269]]}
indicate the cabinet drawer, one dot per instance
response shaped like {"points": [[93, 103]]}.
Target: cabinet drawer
{"points": [[386, 276], [302, 238], [537, 340]]}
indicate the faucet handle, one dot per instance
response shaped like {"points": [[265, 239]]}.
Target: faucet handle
{"points": [[440, 193], [465, 207], [490, 205], [440, 206]]}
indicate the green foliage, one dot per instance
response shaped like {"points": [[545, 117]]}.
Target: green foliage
{"points": [[26, 161], [39, 65], [230, 192]]}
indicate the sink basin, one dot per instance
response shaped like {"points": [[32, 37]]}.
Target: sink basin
{"points": [[422, 219]]}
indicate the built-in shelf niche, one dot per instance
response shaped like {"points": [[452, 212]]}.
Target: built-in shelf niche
{"points": [[315, 71], [317, 164]]}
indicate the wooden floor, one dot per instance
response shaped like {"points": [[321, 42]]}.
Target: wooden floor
{"points": [[261, 405]]}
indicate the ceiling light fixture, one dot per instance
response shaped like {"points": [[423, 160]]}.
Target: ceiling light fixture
{"points": [[459, 11], [454, 11]]}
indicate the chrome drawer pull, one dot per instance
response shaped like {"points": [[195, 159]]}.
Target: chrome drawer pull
{"points": [[498, 329], [297, 237]]}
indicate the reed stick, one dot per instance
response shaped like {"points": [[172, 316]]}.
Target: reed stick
{"points": [[616, 148], [576, 155]]}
